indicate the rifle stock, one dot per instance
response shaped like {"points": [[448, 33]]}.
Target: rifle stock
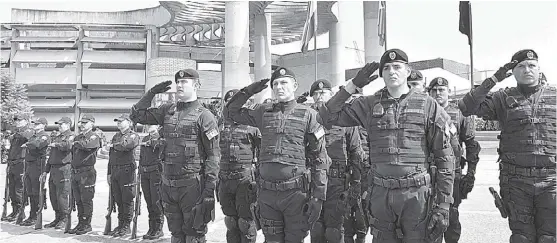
{"points": [[108, 216], [137, 210], [6, 195], [71, 205]]}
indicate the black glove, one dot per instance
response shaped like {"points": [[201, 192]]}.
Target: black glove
{"points": [[438, 223], [363, 77], [466, 184], [313, 209], [204, 213], [502, 73], [256, 87], [302, 98], [161, 87]]}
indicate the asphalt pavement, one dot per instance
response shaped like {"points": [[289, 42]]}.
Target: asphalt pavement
{"points": [[481, 222]]}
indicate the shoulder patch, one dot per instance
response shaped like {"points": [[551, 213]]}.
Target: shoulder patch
{"points": [[212, 133], [44, 137], [133, 135], [319, 133], [93, 136], [71, 137]]}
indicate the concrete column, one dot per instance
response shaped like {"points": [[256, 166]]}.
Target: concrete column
{"points": [[373, 50], [262, 24], [236, 50], [336, 46]]}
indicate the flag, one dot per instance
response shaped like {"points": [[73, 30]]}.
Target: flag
{"points": [[382, 23], [310, 26], [464, 24]]}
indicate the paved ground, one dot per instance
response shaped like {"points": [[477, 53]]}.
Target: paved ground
{"points": [[480, 219]]}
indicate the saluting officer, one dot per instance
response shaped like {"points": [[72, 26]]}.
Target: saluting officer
{"points": [[190, 158], [412, 160], [293, 154]]}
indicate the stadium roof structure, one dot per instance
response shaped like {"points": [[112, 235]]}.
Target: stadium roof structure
{"points": [[202, 23]]}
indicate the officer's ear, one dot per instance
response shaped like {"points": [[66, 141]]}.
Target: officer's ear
{"points": [[295, 84], [197, 84], [408, 70]]}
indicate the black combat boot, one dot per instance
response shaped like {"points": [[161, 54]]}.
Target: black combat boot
{"points": [[55, 222], [86, 226], [125, 230], [157, 232], [62, 222], [116, 230], [78, 226], [147, 236], [11, 217], [33, 214]]}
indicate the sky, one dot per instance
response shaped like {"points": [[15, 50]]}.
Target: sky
{"points": [[423, 29]]}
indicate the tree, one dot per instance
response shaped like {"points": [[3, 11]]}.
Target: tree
{"points": [[14, 101]]}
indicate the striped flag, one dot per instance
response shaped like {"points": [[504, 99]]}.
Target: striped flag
{"points": [[310, 26], [382, 23]]}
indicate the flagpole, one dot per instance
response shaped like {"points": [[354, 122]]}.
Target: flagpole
{"points": [[471, 48], [385, 18], [315, 38]]}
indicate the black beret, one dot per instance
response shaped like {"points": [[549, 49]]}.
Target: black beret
{"points": [[392, 55], [319, 85], [281, 72], [230, 93], [439, 81], [526, 54], [186, 73], [415, 75]]}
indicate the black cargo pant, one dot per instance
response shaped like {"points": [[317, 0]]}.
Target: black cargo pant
{"points": [[83, 189], [178, 199], [123, 190], [15, 180], [352, 226], [530, 201], [237, 191], [59, 187], [452, 235], [329, 226], [281, 214], [32, 184], [150, 185], [398, 215]]}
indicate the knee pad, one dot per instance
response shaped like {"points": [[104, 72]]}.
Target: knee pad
{"points": [[546, 239], [334, 235], [195, 239], [516, 238], [231, 222], [247, 227]]}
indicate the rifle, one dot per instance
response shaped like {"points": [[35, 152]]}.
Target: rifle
{"points": [[499, 202], [108, 216], [21, 215], [6, 195], [39, 222], [137, 210], [71, 205]]}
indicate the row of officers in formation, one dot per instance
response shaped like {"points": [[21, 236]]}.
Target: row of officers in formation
{"points": [[391, 163]]}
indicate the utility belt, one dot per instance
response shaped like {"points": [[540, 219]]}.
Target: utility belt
{"points": [[149, 168], [337, 170], [527, 171], [235, 166], [187, 180], [82, 169], [414, 181], [298, 182], [235, 175]]}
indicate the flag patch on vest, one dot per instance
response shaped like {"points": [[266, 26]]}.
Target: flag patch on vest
{"points": [[450, 129], [212, 133], [319, 133]]}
